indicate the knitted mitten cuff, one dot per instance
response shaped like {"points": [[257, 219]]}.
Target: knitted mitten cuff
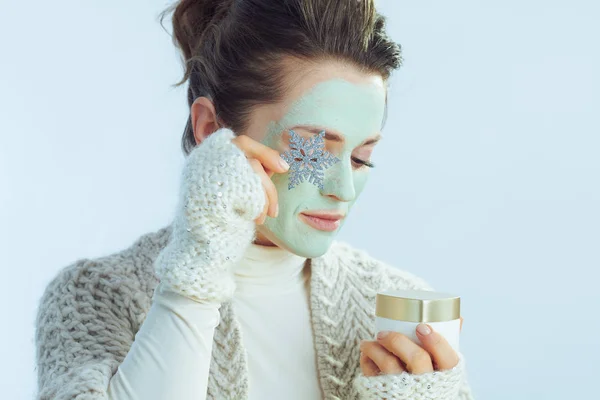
{"points": [[439, 385], [220, 196]]}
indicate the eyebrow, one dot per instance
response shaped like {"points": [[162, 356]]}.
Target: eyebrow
{"points": [[333, 136]]}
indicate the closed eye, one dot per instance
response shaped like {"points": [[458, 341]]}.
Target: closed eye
{"points": [[362, 163]]}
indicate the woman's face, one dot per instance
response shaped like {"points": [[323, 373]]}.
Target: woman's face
{"points": [[349, 106]]}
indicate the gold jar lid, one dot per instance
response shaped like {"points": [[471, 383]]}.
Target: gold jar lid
{"points": [[417, 306]]}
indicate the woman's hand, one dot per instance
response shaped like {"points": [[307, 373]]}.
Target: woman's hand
{"points": [[225, 190], [394, 353], [265, 162]]}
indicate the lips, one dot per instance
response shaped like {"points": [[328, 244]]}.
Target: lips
{"points": [[323, 221]]}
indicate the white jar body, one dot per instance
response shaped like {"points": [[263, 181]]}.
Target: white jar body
{"points": [[450, 330]]}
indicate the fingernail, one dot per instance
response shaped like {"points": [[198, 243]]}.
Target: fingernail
{"points": [[284, 164], [382, 335], [276, 210], [423, 329]]}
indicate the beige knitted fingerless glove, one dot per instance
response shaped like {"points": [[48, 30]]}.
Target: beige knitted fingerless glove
{"points": [[439, 385], [220, 196]]}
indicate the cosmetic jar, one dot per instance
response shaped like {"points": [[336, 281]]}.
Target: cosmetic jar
{"points": [[402, 310]]}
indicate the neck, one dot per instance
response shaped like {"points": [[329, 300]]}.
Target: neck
{"points": [[261, 240], [268, 270]]}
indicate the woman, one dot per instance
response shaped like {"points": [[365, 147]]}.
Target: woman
{"points": [[247, 295]]}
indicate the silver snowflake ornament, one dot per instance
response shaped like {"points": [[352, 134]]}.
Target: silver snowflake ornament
{"points": [[308, 159]]}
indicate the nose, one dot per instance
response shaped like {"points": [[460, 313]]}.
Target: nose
{"points": [[338, 181]]}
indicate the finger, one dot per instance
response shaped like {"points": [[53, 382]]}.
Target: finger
{"points": [[387, 362], [262, 217], [441, 352], [417, 360], [268, 172], [368, 367], [461, 323], [258, 169], [267, 156], [272, 195]]}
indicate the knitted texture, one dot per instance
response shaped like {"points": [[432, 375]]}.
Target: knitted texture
{"points": [[220, 196], [90, 312], [439, 385]]}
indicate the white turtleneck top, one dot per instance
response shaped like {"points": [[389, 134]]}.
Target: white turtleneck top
{"points": [[271, 304]]}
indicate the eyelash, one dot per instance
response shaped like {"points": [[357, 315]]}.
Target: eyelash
{"points": [[362, 163]]}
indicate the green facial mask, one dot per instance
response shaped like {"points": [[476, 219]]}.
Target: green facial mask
{"points": [[352, 110]]}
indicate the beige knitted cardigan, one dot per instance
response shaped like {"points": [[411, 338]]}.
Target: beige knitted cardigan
{"points": [[90, 312]]}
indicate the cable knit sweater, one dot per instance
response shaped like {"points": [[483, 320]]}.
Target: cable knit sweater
{"points": [[91, 311]]}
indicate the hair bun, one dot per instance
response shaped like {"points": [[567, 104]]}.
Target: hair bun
{"points": [[192, 20]]}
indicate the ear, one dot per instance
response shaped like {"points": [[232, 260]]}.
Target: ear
{"points": [[204, 118]]}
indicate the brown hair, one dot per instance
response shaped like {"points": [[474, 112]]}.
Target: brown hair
{"points": [[233, 49]]}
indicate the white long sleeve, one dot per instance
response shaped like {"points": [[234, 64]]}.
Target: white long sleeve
{"points": [[213, 226], [170, 357]]}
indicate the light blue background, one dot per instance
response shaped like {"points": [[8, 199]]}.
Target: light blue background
{"points": [[487, 181]]}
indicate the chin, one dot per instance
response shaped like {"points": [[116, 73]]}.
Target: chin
{"points": [[310, 251], [314, 247]]}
